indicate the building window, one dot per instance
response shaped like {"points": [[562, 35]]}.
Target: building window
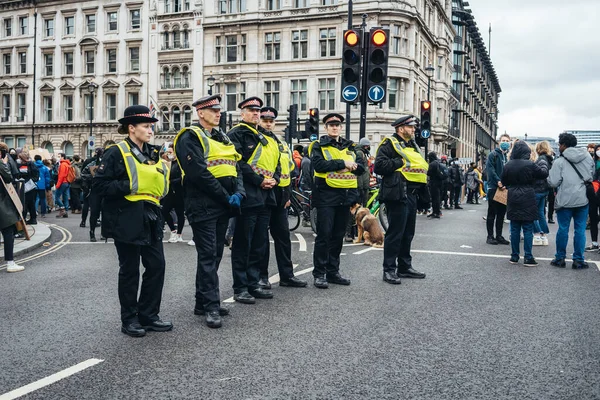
{"points": [[176, 78], [23, 25], [177, 5], [272, 94], [47, 104], [20, 107], [185, 75], [6, 61], [328, 2], [272, 46], [23, 62], [68, 63], [327, 94], [232, 6], [166, 83], [68, 107], [89, 62], [133, 98], [135, 19], [231, 96], [231, 48], [187, 5], [111, 107], [176, 119], [396, 40], [48, 28], [69, 26], [8, 27], [393, 94], [112, 19], [111, 57], [87, 103], [164, 112], [298, 93], [300, 3], [167, 6], [232, 53], [134, 59], [176, 39], [273, 4], [90, 23], [5, 107], [218, 49], [300, 44], [187, 116], [48, 64], [327, 42]]}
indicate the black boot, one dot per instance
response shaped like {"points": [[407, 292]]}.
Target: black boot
{"points": [[92, 236]]}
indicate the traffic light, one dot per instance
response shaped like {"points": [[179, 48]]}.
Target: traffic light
{"points": [[313, 122], [425, 119], [223, 121], [377, 64], [292, 121], [351, 66]]}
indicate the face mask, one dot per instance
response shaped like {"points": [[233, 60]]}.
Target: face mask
{"points": [[171, 157], [505, 146], [598, 153]]}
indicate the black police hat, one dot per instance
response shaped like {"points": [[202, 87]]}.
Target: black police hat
{"points": [[213, 101], [406, 120], [137, 115], [251, 102], [333, 118], [268, 113]]}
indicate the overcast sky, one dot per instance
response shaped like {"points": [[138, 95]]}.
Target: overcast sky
{"points": [[546, 54]]}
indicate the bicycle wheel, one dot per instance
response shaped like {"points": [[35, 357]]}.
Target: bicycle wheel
{"points": [[383, 220], [313, 219], [293, 217]]}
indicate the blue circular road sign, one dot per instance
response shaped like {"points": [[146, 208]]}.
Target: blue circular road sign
{"points": [[425, 134], [350, 93], [313, 137], [376, 93]]}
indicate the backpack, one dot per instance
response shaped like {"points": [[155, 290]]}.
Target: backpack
{"points": [[71, 175]]}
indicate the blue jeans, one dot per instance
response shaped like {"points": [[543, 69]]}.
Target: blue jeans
{"points": [[541, 226], [515, 237], [62, 196], [563, 216]]}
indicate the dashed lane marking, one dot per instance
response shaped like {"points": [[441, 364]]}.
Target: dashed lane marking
{"points": [[49, 380]]}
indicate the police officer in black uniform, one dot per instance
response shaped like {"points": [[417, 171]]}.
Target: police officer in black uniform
{"points": [[260, 170], [279, 224], [214, 189], [336, 168], [404, 172], [131, 179]]}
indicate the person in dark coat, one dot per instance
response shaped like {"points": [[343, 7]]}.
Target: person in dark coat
{"points": [[9, 215], [495, 215], [542, 189], [457, 178], [437, 175], [29, 175], [91, 200], [519, 176]]}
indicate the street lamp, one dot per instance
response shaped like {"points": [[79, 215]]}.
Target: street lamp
{"points": [[211, 82], [91, 88], [525, 136], [429, 71]]}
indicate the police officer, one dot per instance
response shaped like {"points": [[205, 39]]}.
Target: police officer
{"points": [[132, 179], [279, 224], [214, 190], [336, 168], [404, 172], [261, 171]]}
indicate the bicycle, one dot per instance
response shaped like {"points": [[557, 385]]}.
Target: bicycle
{"points": [[377, 209], [297, 211]]}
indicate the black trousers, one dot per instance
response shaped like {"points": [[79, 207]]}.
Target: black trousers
{"points": [[280, 232], [594, 218], [30, 205], [209, 237], [551, 200], [8, 234], [435, 190], [331, 226], [75, 198], [402, 218], [456, 190], [447, 193], [145, 309], [174, 201], [91, 203], [495, 214], [250, 242]]}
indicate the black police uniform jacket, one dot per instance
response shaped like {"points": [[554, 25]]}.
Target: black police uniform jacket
{"points": [[123, 220], [206, 197], [324, 195], [387, 162], [245, 142]]}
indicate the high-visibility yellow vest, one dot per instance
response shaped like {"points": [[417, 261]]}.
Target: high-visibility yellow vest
{"points": [[265, 158], [337, 179], [146, 182], [286, 163], [221, 158], [415, 167]]}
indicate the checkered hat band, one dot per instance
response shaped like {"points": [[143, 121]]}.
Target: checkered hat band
{"points": [[333, 119], [220, 161], [250, 103], [341, 176], [262, 171], [209, 103], [267, 114], [140, 115]]}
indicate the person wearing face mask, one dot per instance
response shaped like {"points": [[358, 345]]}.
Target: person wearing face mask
{"points": [[336, 168], [174, 199], [404, 171], [131, 180], [496, 211], [594, 204]]}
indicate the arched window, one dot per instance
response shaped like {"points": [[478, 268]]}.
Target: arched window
{"points": [[166, 78], [68, 149], [176, 119], [176, 38], [48, 146], [176, 78], [164, 113], [185, 77], [165, 40], [186, 39], [187, 116]]}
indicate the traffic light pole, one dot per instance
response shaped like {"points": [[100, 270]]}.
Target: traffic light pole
{"points": [[363, 89], [348, 105], [428, 99]]}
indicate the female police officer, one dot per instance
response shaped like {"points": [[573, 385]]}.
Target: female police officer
{"points": [[336, 168], [132, 179]]}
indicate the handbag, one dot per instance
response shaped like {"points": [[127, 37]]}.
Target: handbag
{"points": [[589, 186], [501, 196], [30, 185]]}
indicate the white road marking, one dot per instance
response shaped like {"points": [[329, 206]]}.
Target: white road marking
{"points": [[65, 373], [367, 250], [464, 246], [301, 241], [343, 254], [352, 244]]}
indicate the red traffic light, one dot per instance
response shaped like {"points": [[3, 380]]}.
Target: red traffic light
{"points": [[425, 105], [379, 37], [351, 38]]}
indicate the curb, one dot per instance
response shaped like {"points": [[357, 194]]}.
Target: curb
{"points": [[34, 244]]}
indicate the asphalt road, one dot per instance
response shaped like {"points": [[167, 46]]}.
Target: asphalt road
{"points": [[476, 328]]}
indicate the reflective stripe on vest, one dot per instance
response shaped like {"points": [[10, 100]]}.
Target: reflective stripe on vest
{"points": [[286, 164], [221, 158], [265, 158], [337, 179], [146, 182], [415, 167]]}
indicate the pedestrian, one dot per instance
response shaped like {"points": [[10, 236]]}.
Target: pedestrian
{"points": [[261, 173], [594, 203], [437, 175], [457, 178], [43, 184], [446, 184], [571, 173], [540, 226], [62, 187], [519, 177], [91, 201], [404, 172], [591, 149], [49, 196], [9, 215], [297, 155], [307, 172], [29, 175], [213, 188], [496, 210], [75, 189], [174, 200], [336, 168], [472, 182], [132, 179]]}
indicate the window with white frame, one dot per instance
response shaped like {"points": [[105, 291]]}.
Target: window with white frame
{"points": [[111, 58], [166, 78], [23, 25], [177, 5], [47, 108], [23, 62], [231, 96], [298, 93], [300, 44], [87, 104], [300, 3], [396, 39], [21, 142], [219, 49], [273, 5], [111, 106], [68, 61], [165, 125], [176, 39], [112, 19], [272, 46], [176, 119], [232, 6], [68, 107], [133, 98], [134, 59], [328, 2], [185, 77], [8, 27], [327, 94], [327, 42], [70, 25], [135, 19], [393, 88], [176, 78], [186, 5], [49, 27], [187, 116], [48, 64], [90, 23], [7, 62], [90, 61], [5, 107], [10, 142], [231, 48], [272, 94], [20, 107]]}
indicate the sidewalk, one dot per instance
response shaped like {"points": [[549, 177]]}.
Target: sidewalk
{"points": [[39, 233]]}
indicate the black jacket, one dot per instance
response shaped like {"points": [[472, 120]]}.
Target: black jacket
{"points": [[387, 161], [134, 222], [307, 174], [323, 195], [28, 170], [541, 185], [435, 172], [519, 176], [206, 197], [457, 177], [8, 212], [245, 142]]}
